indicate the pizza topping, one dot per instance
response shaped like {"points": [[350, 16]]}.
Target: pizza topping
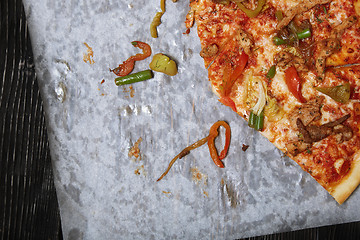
{"points": [[296, 147], [256, 121], [298, 9], [230, 78], [227, 101], [182, 154], [291, 34], [313, 133], [339, 93], [211, 142], [162, 63], [332, 44], [271, 73], [307, 112], [273, 111], [133, 78], [157, 20], [339, 29], [126, 67], [286, 59], [245, 41], [252, 13], [293, 82], [261, 100], [327, 47], [224, 2], [209, 51], [190, 19], [210, 139]]}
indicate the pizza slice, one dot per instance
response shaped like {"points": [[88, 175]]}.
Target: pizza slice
{"points": [[277, 64]]}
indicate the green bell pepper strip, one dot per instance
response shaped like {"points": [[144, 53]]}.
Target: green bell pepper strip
{"points": [[135, 77], [278, 41], [271, 73], [306, 33], [339, 93]]}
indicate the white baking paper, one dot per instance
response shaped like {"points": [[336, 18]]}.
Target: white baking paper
{"points": [[105, 194]]}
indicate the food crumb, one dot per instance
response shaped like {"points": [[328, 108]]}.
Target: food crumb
{"points": [[131, 91], [206, 193], [245, 147], [140, 170], [102, 81], [198, 177], [89, 55], [135, 151]]}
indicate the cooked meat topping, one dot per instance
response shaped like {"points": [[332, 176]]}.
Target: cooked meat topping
{"points": [[209, 51], [327, 47], [313, 133], [300, 8], [307, 112], [332, 44], [246, 41], [296, 147], [339, 29], [285, 59]]}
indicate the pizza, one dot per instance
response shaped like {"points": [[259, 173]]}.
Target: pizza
{"points": [[291, 70]]}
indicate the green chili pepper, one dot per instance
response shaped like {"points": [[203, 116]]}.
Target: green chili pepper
{"points": [[339, 93], [252, 13], [256, 122], [271, 73], [306, 33], [252, 119], [135, 77], [278, 41]]}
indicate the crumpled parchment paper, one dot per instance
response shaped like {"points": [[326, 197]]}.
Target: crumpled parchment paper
{"points": [[103, 192]]}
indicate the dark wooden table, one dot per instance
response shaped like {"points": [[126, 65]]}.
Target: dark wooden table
{"points": [[28, 203]]}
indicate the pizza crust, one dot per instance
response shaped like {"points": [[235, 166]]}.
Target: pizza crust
{"points": [[344, 189], [357, 7]]}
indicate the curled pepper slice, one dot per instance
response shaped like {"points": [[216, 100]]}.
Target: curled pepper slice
{"points": [[252, 13], [211, 142], [183, 153], [127, 66]]}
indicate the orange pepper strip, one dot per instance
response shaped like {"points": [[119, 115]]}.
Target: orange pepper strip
{"points": [[183, 153], [127, 66], [211, 142]]}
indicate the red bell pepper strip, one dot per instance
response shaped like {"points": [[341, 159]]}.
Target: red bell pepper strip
{"points": [[127, 66], [293, 83], [227, 101], [236, 73], [211, 142]]}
